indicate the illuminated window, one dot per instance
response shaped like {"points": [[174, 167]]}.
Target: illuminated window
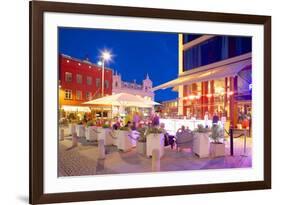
{"points": [[79, 79], [68, 94], [88, 95], [89, 80], [68, 76], [106, 84], [97, 82], [78, 95]]}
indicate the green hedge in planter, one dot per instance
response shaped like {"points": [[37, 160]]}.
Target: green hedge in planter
{"points": [[201, 129], [90, 123], [105, 126], [144, 132], [217, 134], [124, 128]]}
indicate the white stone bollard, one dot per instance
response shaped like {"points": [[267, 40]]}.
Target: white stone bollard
{"points": [[155, 160], [74, 140], [101, 149], [61, 134]]}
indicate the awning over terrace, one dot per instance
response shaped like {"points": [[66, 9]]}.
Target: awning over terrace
{"points": [[123, 99], [214, 71], [70, 108]]}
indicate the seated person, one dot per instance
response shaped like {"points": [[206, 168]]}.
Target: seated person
{"points": [[215, 118], [245, 123], [116, 125], [181, 129], [129, 124], [134, 127], [184, 137], [168, 139]]}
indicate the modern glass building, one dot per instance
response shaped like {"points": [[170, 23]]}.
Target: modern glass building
{"points": [[215, 76]]}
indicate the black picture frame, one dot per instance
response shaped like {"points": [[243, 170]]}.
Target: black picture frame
{"points": [[37, 9]]}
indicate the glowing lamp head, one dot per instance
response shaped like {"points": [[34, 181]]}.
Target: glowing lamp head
{"points": [[99, 63], [106, 55]]}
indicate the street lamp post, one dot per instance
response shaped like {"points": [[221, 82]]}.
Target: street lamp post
{"points": [[105, 56], [102, 78]]}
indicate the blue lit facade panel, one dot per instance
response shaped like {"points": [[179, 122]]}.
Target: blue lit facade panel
{"points": [[214, 50]]}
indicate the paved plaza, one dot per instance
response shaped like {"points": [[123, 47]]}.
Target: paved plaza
{"points": [[83, 159]]}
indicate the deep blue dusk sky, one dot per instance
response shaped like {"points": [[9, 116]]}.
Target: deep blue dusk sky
{"points": [[135, 53]]}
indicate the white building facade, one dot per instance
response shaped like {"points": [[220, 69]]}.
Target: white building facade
{"points": [[144, 90]]}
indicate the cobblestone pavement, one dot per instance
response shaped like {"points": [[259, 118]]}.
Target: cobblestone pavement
{"points": [[82, 160], [72, 162]]}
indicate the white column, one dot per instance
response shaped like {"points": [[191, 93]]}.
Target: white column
{"points": [[180, 71]]}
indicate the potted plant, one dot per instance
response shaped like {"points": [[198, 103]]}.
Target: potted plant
{"points": [[105, 126], [63, 122], [201, 129], [103, 133], [141, 141], [72, 123], [90, 124], [154, 140], [90, 132], [217, 146], [201, 142], [123, 139], [80, 123], [80, 129], [124, 128]]}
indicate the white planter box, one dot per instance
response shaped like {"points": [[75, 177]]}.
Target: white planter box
{"points": [[91, 133], [80, 130], [217, 150], [124, 142], [201, 144], [71, 128], [141, 148], [115, 137], [103, 133], [155, 141]]}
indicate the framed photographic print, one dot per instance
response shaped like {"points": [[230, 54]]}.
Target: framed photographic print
{"points": [[138, 102]]}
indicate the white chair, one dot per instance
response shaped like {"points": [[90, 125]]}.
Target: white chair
{"points": [[201, 144], [184, 139], [91, 134]]}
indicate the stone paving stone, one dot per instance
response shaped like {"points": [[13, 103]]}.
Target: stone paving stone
{"points": [[82, 160]]}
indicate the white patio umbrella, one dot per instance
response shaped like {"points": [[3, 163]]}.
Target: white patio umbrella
{"points": [[123, 99]]}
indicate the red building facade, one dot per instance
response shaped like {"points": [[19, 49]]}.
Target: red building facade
{"points": [[81, 81]]}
